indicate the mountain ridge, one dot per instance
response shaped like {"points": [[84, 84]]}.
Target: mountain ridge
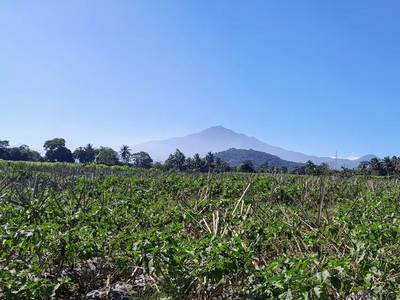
{"points": [[235, 157], [219, 138]]}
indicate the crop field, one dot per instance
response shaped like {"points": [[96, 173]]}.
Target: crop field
{"points": [[70, 232]]}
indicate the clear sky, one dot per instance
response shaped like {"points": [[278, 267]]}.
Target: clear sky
{"points": [[310, 76]]}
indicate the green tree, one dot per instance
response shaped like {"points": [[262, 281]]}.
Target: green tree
{"points": [[23, 153], [142, 160], [57, 152], [159, 166], [85, 154], [125, 154], [247, 167], [210, 161], [91, 153], [310, 168], [218, 163], [264, 168], [176, 161], [346, 172], [376, 166], [3, 149], [189, 164], [284, 169], [322, 169], [80, 154], [396, 165], [363, 168], [387, 165], [4, 144], [221, 166], [107, 156], [197, 163], [299, 170]]}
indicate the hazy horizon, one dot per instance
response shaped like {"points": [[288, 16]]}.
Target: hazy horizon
{"points": [[41, 150]]}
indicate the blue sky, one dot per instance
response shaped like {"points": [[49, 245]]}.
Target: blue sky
{"points": [[310, 76]]}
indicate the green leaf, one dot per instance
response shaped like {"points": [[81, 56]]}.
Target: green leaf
{"points": [[336, 282], [271, 266], [53, 295], [286, 295], [317, 291]]}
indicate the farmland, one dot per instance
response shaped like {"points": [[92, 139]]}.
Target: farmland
{"points": [[70, 232]]}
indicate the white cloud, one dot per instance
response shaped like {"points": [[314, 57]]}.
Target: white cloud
{"points": [[352, 156]]}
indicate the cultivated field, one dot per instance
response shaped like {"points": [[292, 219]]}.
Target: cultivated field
{"points": [[71, 232]]}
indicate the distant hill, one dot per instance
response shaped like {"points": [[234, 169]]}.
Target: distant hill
{"points": [[235, 157], [218, 138]]}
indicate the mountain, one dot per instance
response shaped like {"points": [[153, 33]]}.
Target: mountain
{"points": [[235, 157], [218, 138]]}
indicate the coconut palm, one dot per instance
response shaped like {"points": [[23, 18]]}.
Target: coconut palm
{"points": [[176, 161], [210, 160], [80, 154], [387, 165], [375, 165], [179, 160], [125, 154], [218, 162], [189, 164], [364, 167], [396, 165], [91, 153], [197, 162]]}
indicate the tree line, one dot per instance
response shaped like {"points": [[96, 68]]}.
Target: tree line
{"points": [[56, 151], [388, 166]]}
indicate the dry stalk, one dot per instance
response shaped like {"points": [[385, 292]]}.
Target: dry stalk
{"points": [[247, 212], [321, 204], [108, 287], [216, 222], [209, 230], [241, 198]]}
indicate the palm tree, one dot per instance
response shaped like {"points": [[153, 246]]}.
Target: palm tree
{"points": [[125, 153], [396, 165], [197, 162], [218, 163], [176, 161], [189, 163], [89, 148], [387, 164], [91, 153], [210, 160], [375, 165], [179, 159], [79, 154], [364, 167]]}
